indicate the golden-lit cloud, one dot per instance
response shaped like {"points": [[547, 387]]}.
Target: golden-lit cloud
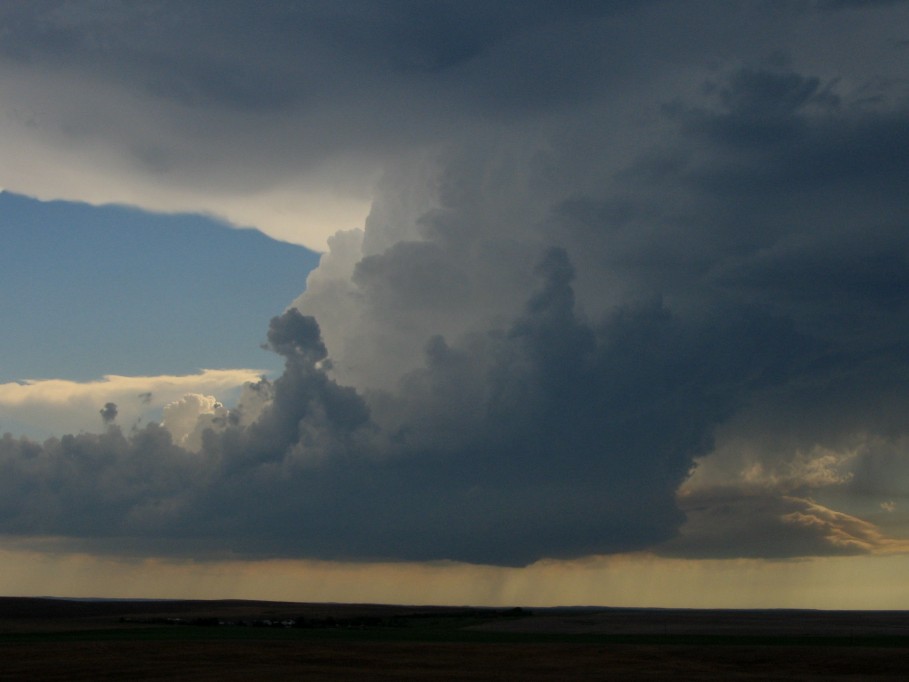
{"points": [[58, 406], [842, 531]]}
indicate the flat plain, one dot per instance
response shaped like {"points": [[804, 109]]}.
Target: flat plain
{"points": [[57, 639]]}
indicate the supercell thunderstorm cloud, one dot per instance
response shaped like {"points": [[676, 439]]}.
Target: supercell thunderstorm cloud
{"points": [[635, 276]]}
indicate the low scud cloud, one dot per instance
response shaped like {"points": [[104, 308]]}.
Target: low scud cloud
{"points": [[652, 297]]}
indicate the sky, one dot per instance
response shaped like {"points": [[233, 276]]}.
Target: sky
{"points": [[456, 302]]}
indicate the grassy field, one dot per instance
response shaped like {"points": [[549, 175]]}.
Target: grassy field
{"points": [[233, 640]]}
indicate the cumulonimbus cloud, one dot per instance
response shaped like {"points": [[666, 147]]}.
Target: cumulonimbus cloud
{"points": [[581, 273]]}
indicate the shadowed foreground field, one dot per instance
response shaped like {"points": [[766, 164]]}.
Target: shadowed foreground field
{"points": [[49, 639]]}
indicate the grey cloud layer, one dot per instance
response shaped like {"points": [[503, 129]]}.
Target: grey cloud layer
{"points": [[287, 86], [594, 268]]}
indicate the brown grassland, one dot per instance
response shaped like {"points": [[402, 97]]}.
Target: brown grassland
{"points": [[50, 639]]}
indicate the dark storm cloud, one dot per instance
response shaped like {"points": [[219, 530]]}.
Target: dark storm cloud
{"points": [[626, 256], [316, 56], [794, 197], [813, 199], [782, 132], [185, 106], [553, 437], [108, 413], [858, 4], [97, 486]]}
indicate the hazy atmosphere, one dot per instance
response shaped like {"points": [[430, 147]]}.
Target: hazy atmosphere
{"points": [[456, 302]]}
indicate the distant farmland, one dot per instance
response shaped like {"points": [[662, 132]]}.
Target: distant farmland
{"points": [[50, 639]]}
